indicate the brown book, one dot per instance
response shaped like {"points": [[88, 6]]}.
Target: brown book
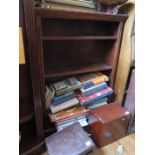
{"points": [[68, 114], [72, 140]]}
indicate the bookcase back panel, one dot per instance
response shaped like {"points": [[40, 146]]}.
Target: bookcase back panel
{"points": [[62, 27], [61, 54]]}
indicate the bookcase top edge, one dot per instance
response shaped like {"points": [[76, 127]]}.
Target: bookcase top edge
{"points": [[85, 15]]}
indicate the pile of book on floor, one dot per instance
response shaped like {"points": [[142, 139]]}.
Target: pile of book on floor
{"points": [[71, 99]]}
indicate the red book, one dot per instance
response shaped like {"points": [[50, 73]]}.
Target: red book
{"points": [[94, 97]]}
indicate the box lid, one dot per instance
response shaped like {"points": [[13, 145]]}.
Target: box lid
{"points": [[109, 112]]}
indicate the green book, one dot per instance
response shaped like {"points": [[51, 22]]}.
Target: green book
{"points": [[67, 85]]}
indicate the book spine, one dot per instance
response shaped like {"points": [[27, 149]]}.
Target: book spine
{"points": [[64, 105], [97, 98], [94, 90]]}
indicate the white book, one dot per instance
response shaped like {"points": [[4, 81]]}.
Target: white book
{"points": [[89, 4], [64, 105]]}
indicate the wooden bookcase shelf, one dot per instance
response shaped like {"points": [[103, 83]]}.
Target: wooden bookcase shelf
{"points": [[65, 42], [79, 38], [26, 112], [76, 70]]}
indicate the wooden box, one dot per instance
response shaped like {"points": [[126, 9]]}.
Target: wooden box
{"points": [[108, 123], [72, 140]]}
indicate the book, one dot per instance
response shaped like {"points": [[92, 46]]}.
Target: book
{"points": [[92, 79], [69, 84], [49, 94], [91, 90], [100, 100], [60, 85], [64, 105], [83, 122], [84, 101], [57, 98], [68, 113], [97, 105], [62, 98], [81, 3], [72, 119], [58, 6]]}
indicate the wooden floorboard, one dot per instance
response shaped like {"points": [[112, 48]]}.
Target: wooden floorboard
{"points": [[129, 147]]}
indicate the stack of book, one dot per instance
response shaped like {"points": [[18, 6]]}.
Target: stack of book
{"points": [[65, 96], [70, 99], [69, 116], [94, 91]]}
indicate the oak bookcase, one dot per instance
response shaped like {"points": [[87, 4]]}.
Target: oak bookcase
{"points": [[64, 43]]}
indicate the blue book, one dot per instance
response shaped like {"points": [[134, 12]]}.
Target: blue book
{"points": [[93, 106], [88, 85], [94, 89], [62, 98]]}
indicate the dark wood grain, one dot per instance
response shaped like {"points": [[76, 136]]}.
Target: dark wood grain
{"points": [[76, 70], [41, 63], [108, 123], [25, 88], [26, 111], [72, 28], [35, 72], [51, 13]]}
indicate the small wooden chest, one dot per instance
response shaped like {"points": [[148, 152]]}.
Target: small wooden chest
{"points": [[72, 140], [108, 123]]}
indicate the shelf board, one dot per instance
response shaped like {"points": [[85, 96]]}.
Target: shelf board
{"points": [[25, 113], [76, 70], [79, 37]]}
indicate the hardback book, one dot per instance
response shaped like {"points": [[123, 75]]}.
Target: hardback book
{"points": [[68, 85], [84, 101], [92, 90], [97, 102], [62, 98], [64, 105], [92, 79], [97, 105], [83, 122], [100, 100], [72, 140], [81, 3], [68, 113]]}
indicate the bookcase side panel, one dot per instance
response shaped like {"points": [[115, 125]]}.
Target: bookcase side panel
{"points": [[41, 61], [113, 54], [33, 53]]}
